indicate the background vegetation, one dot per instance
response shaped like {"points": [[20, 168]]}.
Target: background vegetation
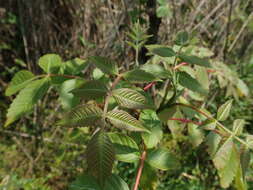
{"points": [[34, 154]]}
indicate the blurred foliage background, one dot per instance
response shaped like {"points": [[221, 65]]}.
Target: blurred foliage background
{"points": [[36, 155]]}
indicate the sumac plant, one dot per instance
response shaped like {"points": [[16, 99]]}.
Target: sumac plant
{"points": [[129, 111]]}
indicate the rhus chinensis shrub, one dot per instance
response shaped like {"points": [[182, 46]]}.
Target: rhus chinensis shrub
{"points": [[128, 111]]}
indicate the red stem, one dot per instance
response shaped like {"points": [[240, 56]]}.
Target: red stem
{"points": [[138, 177], [148, 86], [183, 120]]}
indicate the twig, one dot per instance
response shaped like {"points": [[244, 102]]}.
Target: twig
{"points": [[139, 173]]}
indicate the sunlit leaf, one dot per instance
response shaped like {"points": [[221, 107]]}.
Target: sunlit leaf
{"points": [[162, 159], [224, 110], [84, 115], [26, 99], [212, 141], [129, 98], [124, 120], [50, 63], [196, 134], [125, 147], [19, 81]]}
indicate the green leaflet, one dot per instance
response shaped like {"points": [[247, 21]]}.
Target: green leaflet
{"points": [[149, 179], [224, 110], [162, 159], [191, 59], [238, 126], [125, 147], [129, 98], [68, 100], [114, 182], [192, 84], [50, 63], [91, 90], [139, 76], [84, 182], [182, 38], [100, 157], [74, 66], [26, 99], [221, 157], [212, 141], [124, 120], [104, 64], [196, 134], [156, 70], [19, 81], [151, 121], [229, 171], [162, 51], [84, 115]]}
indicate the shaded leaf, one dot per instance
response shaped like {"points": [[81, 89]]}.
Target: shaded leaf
{"points": [[191, 59], [19, 81], [182, 38], [192, 84], [139, 76], [125, 147], [84, 182], [162, 51], [91, 90], [224, 110], [129, 98], [162, 159], [84, 115], [100, 157], [149, 178], [124, 120], [26, 99], [151, 121], [104, 64], [114, 182], [50, 63]]}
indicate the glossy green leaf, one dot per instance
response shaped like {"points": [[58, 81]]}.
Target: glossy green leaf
{"points": [[125, 147], [26, 99], [162, 51], [100, 157], [238, 126], [74, 66], [50, 63], [151, 121], [191, 59], [114, 182], [162, 159], [84, 115], [191, 83], [84, 182], [104, 64], [124, 120], [139, 76], [224, 110], [129, 98], [182, 38], [91, 90], [19, 81]]}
